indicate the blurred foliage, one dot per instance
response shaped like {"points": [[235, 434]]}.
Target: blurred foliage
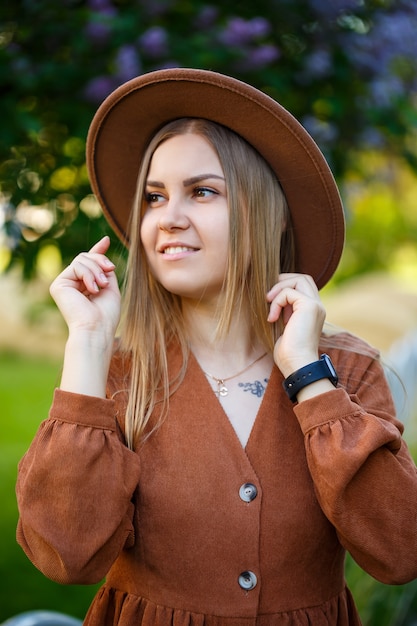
{"points": [[381, 196], [347, 69]]}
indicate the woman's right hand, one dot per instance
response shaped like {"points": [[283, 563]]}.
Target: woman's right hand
{"points": [[88, 296], [87, 292]]}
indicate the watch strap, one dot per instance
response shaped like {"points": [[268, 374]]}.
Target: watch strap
{"points": [[323, 368]]}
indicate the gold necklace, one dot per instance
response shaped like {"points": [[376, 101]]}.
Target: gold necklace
{"points": [[222, 390]]}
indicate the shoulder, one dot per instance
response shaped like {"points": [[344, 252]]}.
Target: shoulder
{"points": [[344, 345], [356, 361]]}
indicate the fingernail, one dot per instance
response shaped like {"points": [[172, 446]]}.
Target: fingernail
{"points": [[108, 263], [104, 278]]}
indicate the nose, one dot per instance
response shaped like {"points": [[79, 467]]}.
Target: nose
{"points": [[173, 216]]}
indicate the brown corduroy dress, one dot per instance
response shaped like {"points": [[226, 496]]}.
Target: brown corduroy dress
{"points": [[192, 529]]}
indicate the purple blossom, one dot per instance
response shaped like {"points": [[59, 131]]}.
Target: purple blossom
{"points": [[260, 27], [154, 42], [385, 90], [261, 56], [322, 131], [99, 88], [372, 138], [127, 63], [239, 32], [392, 37], [331, 9], [409, 6], [397, 32], [318, 64], [98, 32], [207, 17], [102, 6]]}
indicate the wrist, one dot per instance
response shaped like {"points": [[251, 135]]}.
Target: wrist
{"points": [[320, 375], [86, 364], [289, 366], [96, 341]]}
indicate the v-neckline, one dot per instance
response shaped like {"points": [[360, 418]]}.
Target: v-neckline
{"points": [[205, 386]]}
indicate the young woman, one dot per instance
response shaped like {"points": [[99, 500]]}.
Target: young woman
{"points": [[217, 460]]}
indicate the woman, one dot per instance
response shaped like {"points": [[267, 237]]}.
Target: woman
{"points": [[210, 463]]}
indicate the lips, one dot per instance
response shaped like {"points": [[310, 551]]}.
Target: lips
{"points": [[176, 249]]}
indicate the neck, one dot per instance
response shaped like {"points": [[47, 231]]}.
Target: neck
{"points": [[226, 354]]}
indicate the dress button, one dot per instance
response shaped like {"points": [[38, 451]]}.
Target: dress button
{"points": [[248, 492], [247, 580]]}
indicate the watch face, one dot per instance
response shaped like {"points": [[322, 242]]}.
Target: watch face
{"points": [[329, 364]]}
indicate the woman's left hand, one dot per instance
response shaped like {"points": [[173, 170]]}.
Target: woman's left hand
{"points": [[295, 299]]}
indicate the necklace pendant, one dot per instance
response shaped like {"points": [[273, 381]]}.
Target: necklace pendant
{"points": [[222, 390]]}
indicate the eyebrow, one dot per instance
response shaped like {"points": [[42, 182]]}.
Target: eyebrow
{"points": [[187, 182]]}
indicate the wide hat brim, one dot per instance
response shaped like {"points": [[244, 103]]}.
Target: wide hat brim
{"points": [[125, 122]]}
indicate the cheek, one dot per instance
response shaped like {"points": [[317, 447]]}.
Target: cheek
{"points": [[147, 233]]}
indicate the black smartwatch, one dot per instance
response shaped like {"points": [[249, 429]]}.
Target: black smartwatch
{"points": [[323, 368]]}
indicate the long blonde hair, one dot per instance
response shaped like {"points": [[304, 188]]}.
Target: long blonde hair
{"points": [[152, 319]]}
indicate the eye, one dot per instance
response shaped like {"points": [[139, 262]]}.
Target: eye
{"points": [[204, 192], [152, 197]]}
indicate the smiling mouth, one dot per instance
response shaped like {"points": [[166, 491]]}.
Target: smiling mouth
{"points": [[177, 249]]}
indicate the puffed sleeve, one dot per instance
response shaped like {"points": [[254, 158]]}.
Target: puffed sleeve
{"points": [[363, 473], [74, 491]]}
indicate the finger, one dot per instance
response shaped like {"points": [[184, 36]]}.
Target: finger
{"points": [[290, 298], [300, 282], [87, 273], [304, 282], [101, 246], [98, 263], [88, 278]]}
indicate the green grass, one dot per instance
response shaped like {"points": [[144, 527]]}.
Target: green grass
{"points": [[26, 387]]}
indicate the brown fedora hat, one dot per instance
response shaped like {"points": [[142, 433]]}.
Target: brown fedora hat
{"points": [[130, 116]]}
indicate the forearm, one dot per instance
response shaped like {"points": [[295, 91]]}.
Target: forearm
{"points": [[365, 481], [74, 491]]}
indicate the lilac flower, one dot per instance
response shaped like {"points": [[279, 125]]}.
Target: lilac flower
{"points": [[318, 64], [392, 37], [260, 27], [397, 32], [332, 9], [261, 56], [99, 88], [206, 17], [154, 42], [239, 32], [98, 32], [127, 63], [409, 6], [372, 138], [385, 90], [102, 6], [322, 131]]}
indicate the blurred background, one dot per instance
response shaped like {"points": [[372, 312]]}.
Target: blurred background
{"points": [[347, 69]]}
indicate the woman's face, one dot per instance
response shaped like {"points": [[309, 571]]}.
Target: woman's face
{"points": [[185, 228]]}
